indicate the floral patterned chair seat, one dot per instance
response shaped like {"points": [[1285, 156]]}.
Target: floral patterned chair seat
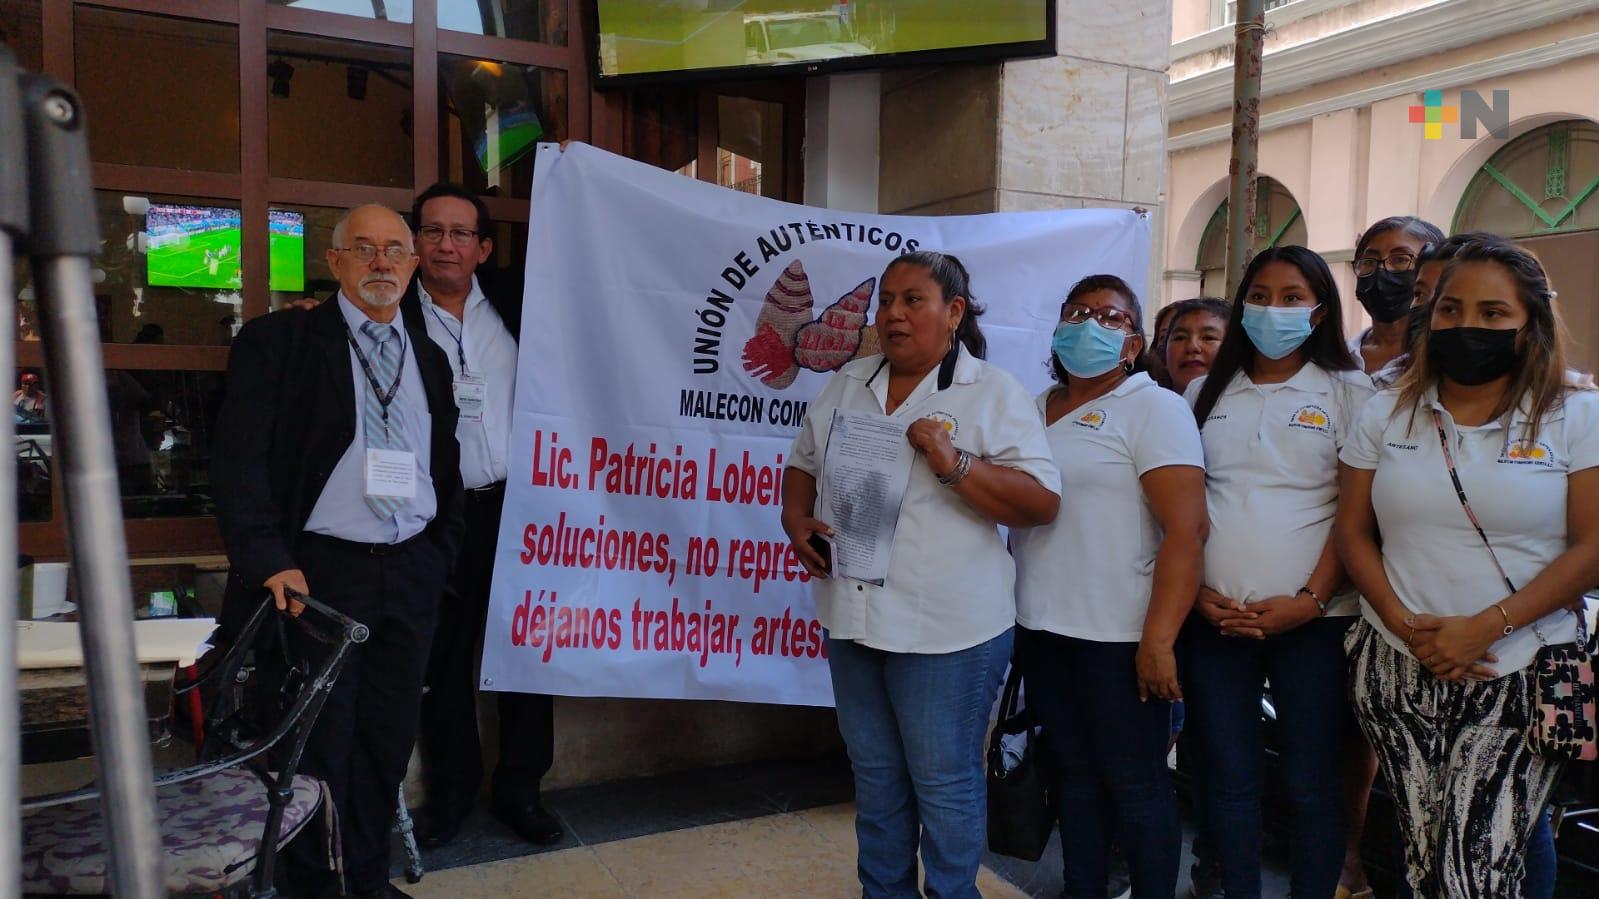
{"points": [[211, 830]]}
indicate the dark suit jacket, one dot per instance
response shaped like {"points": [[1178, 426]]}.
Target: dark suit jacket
{"points": [[286, 419], [502, 289]]}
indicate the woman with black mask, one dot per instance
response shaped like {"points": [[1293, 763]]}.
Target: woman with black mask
{"points": [[1440, 667], [1385, 284]]}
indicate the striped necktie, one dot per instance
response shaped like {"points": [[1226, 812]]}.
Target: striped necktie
{"points": [[385, 363]]}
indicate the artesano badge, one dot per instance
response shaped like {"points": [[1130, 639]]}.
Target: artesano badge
{"points": [[1311, 418], [948, 421], [1093, 418]]}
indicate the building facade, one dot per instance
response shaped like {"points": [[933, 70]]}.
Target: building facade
{"points": [[1473, 114]]}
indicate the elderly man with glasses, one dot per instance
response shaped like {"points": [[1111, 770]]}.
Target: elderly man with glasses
{"points": [[338, 476]]}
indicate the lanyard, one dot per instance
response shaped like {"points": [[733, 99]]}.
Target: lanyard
{"points": [[384, 398], [460, 339]]}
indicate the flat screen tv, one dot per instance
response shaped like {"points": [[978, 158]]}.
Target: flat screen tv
{"points": [[655, 40], [199, 246]]}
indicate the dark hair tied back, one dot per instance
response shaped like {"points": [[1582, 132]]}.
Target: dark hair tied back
{"points": [[950, 274]]}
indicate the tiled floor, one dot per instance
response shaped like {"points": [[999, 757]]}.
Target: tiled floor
{"points": [[803, 853], [753, 830]]}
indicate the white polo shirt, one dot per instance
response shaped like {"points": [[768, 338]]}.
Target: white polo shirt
{"points": [[950, 584], [1271, 480], [1089, 573], [1431, 553]]}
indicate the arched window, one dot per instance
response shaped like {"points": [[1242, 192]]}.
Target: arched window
{"points": [[1543, 190], [1278, 222], [1541, 183]]}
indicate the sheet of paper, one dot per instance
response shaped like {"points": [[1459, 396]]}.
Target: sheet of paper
{"points": [[391, 473], [55, 644], [865, 470]]}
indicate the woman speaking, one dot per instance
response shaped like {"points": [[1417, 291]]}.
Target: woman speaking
{"points": [[916, 662]]}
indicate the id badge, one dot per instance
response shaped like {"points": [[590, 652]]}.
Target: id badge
{"points": [[470, 394], [391, 473]]}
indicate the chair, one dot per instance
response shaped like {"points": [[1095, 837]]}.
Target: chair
{"points": [[215, 815]]}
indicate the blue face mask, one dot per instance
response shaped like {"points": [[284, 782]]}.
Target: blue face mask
{"points": [[1087, 349], [1277, 331]]}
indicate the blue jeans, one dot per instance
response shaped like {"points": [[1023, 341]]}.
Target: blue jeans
{"points": [[1542, 863], [1108, 755], [1309, 676], [914, 726]]}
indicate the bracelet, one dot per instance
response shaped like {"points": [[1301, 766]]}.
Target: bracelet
{"points": [[1508, 626], [963, 465], [1314, 598]]}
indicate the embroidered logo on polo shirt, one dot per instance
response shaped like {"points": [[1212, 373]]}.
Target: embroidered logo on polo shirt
{"points": [[950, 425], [1407, 447], [1519, 453], [1311, 418], [1093, 419]]}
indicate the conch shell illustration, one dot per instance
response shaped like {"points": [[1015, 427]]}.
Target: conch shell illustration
{"points": [[830, 341], [769, 355]]}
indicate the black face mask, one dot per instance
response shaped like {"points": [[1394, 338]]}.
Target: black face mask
{"points": [[1473, 356], [1385, 294]]}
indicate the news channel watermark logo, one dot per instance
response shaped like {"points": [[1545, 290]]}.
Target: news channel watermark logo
{"points": [[1492, 113]]}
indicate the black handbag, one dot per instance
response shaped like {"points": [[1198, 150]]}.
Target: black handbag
{"points": [[1021, 812]]}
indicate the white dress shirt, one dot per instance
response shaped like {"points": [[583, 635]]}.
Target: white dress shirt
{"points": [[483, 347], [950, 584], [341, 511]]}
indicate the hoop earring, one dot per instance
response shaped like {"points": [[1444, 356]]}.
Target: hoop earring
{"points": [[1127, 366]]}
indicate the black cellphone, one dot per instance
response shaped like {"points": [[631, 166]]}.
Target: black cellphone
{"points": [[824, 548]]}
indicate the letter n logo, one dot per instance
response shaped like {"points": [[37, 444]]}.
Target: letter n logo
{"points": [[1495, 117]]}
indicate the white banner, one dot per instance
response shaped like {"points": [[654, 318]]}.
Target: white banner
{"points": [[672, 336]]}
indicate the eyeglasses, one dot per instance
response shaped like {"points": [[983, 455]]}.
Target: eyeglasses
{"points": [[461, 237], [1398, 263], [366, 252], [1105, 315]]}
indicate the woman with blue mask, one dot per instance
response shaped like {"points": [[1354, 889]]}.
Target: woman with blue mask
{"points": [[1273, 413], [1103, 590]]}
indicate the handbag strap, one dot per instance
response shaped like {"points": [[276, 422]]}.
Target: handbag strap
{"points": [[1460, 493], [1007, 714]]}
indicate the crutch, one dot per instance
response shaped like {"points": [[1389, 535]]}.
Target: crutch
{"points": [[47, 213]]}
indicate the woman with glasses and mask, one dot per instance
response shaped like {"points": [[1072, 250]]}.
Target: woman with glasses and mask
{"points": [[1480, 472], [916, 661], [1386, 261], [1273, 412], [1102, 592]]}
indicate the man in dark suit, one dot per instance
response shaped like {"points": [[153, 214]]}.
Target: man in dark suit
{"points": [[338, 476], [476, 325]]}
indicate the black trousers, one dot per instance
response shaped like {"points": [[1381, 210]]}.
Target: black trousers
{"points": [[452, 752], [361, 742]]}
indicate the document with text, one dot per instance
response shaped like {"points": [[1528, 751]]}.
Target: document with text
{"points": [[865, 470]]}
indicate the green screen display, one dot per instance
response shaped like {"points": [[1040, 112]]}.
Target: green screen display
{"points": [[199, 246], [640, 37]]}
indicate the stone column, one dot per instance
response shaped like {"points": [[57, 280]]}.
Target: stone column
{"points": [[1086, 127]]}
